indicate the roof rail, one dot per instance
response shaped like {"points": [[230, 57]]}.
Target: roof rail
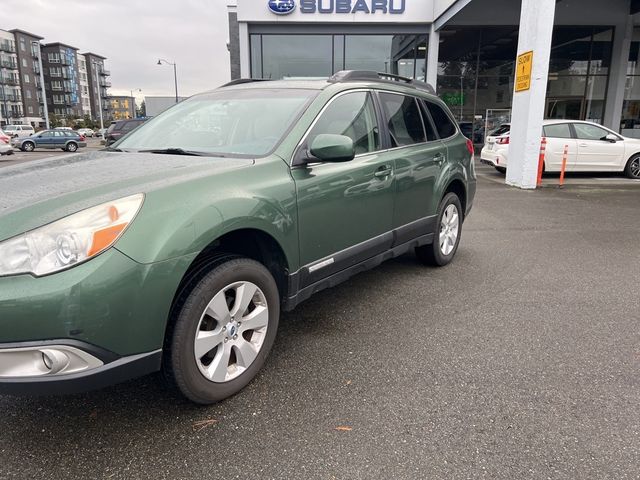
{"points": [[240, 81], [366, 75]]}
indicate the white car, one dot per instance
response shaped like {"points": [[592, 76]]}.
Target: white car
{"points": [[590, 148], [87, 132], [5, 144], [19, 131]]}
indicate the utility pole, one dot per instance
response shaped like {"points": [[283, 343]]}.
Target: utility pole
{"points": [[95, 64]]}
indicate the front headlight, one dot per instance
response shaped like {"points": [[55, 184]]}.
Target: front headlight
{"points": [[69, 241]]}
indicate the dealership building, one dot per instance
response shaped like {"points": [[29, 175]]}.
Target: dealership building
{"points": [[586, 55]]}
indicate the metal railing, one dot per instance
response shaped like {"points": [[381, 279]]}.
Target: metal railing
{"points": [[7, 47], [9, 81]]}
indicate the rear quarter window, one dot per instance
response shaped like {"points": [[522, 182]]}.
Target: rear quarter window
{"points": [[444, 124]]}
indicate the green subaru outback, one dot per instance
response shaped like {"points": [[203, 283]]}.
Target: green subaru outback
{"points": [[177, 248]]}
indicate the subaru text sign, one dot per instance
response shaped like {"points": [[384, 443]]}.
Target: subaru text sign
{"points": [[282, 7], [394, 7]]}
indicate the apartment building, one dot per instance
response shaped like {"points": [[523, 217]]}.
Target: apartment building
{"points": [[122, 107], [11, 107], [76, 85]]}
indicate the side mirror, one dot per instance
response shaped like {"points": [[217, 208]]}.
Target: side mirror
{"points": [[333, 148], [610, 137]]}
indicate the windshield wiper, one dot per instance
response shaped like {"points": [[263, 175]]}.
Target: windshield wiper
{"points": [[173, 151]]}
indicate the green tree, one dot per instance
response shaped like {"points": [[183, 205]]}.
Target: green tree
{"points": [[142, 110], [54, 121]]}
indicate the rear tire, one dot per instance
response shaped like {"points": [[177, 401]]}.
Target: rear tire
{"points": [[71, 147], [447, 235], [214, 349], [632, 169]]}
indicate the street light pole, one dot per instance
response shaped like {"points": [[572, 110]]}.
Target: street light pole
{"points": [[43, 92], [175, 73], [95, 64]]}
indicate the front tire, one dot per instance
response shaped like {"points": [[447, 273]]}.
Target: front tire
{"points": [[632, 169], [502, 170], [28, 147], [225, 324], [447, 236]]}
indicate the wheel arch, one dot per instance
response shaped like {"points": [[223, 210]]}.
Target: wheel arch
{"points": [[458, 187]]}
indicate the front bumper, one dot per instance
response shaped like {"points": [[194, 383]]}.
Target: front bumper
{"points": [[94, 368]]}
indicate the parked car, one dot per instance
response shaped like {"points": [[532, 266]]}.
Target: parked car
{"points": [[120, 128], [66, 140], [5, 144], [176, 248], [87, 132], [18, 131], [591, 148], [100, 133]]}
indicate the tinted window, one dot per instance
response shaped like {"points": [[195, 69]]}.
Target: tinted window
{"points": [[584, 131], [405, 122], [128, 126], [501, 130], [428, 125], [561, 130], [46, 134], [354, 116], [443, 123]]}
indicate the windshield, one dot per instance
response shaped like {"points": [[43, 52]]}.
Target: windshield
{"points": [[501, 130], [227, 123]]}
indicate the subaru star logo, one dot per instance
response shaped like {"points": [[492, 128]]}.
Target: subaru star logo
{"points": [[282, 7]]}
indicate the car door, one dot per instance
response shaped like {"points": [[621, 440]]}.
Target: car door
{"points": [[345, 209], [418, 156], [44, 139], [595, 152], [558, 136]]}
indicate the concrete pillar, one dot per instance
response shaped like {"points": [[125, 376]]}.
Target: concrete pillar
{"points": [[618, 74], [536, 28], [245, 54], [432, 57]]}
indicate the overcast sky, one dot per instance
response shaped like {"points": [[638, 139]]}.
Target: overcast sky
{"points": [[133, 34]]}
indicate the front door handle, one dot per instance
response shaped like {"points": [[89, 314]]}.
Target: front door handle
{"points": [[584, 145], [383, 172], [439, 158]]}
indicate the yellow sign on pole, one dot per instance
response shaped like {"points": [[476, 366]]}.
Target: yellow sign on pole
{"points": [[523, 71]]}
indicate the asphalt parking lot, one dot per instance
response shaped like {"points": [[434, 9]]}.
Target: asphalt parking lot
{"points": [[21, 157], [519, 360]]}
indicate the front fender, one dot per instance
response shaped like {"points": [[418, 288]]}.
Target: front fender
{"points": [[184, 220]]}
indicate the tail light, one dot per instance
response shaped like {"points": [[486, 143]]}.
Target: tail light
{"points": [[4, 139], [470, 146], [82, 138], [502, 140]]}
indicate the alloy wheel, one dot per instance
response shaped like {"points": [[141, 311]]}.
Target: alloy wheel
{"points": [[449, 228], [231, 331], [634, 168]]}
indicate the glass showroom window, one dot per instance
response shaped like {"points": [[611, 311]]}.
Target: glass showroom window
{"points": [[282, 56], [630, 120]]}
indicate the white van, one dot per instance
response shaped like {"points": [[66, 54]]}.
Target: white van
{"points": [[19, 131]]}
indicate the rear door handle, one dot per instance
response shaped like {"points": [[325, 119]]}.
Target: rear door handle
{"points": [[584, 145], [383, 171]]}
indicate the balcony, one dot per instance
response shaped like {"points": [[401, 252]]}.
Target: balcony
{"points": [[65, 61], [9, 81], [9, 64], [105, 73], [10, 97], [7, 47], [35, 53], [56, 88], [105, 84]]}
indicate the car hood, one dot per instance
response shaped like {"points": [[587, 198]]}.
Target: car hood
{"points": [[35, 193]]}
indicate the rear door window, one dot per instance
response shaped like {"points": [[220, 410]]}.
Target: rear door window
{"points": [[561, 130], [444, 124], [404, 119]]}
